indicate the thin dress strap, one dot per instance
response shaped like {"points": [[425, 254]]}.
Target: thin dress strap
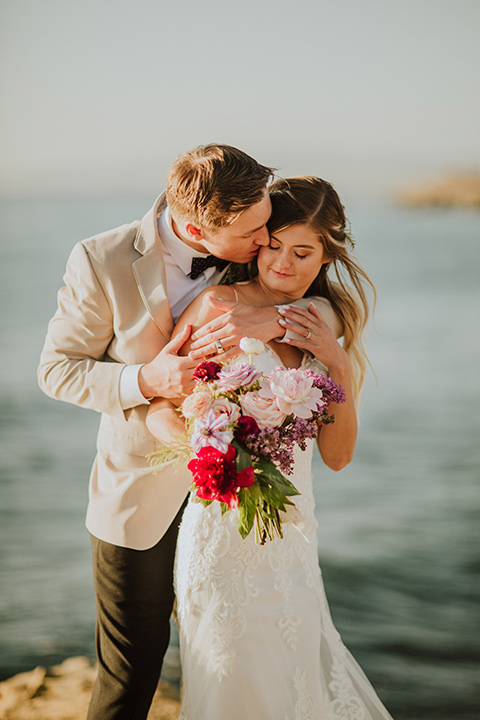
{"points": [[236, 294]]}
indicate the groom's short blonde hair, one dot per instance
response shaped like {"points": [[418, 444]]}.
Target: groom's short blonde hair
{"points": [[212, 184]]}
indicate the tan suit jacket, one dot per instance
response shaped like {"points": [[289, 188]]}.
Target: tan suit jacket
{"points": [[113, 311]]}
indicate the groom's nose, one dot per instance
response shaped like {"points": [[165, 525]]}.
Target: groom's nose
{"points": [[262, 236]]}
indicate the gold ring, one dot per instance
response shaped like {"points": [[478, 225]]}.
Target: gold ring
{"points": [[219, 346], [309, 333]]}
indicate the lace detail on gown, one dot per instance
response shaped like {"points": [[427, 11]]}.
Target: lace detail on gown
{"points": [[304, 707], [256, 636], [206, 589]]}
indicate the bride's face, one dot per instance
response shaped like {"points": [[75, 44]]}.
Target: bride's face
{"points": [[292, 260]]}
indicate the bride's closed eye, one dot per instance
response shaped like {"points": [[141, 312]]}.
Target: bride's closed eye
{"points": [[278, 247]]}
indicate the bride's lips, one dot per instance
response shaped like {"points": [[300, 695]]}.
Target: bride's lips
{"points": [[280, 275]]}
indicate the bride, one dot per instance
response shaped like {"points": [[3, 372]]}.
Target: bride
{"points": [[256, 636]]}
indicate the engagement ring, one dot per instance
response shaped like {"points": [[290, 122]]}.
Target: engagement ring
{"points": [[219, 346]]}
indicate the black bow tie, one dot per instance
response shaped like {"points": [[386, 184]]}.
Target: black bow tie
{"points": [[199, 264]]}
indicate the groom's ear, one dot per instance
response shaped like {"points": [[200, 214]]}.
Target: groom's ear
{"points": [[193, 231]]}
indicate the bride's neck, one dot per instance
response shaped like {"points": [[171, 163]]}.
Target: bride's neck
{"points": [[262, 295], [268, 296]]}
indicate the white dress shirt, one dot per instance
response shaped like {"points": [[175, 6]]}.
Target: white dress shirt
{"points": [[181, 290]]}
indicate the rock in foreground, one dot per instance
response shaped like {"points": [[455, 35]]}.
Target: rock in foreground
{"points": [[63, 693]]}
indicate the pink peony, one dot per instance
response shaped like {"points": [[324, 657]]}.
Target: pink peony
{"points": [[262, 409], [294, 392], [232, 376], [197, 405]]}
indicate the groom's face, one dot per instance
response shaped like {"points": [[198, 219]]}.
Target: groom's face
{"points": [[241, 240]]}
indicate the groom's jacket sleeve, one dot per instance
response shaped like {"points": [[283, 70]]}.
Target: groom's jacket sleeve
{"points": [[75, 365]]}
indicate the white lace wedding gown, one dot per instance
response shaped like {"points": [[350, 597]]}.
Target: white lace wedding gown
{"points": [[257, 640]]}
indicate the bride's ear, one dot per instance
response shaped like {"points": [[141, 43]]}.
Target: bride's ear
{"points": [[326, 258]]}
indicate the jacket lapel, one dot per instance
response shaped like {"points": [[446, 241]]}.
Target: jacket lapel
{"points": [[149, 269]]}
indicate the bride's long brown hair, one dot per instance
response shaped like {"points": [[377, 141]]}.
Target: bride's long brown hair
{"points": [[315, 202]]}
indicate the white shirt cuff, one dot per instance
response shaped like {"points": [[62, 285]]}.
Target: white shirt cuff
{"points": [[130, 394]]}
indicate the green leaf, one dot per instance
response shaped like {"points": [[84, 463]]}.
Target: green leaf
{"points": [[243, 459], [270, 474], [204, 502], [246, 512], [255, 492], [275, 498]]}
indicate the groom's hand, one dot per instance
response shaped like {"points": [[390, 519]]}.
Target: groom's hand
{"points": [[168, 375], [235, 322]]}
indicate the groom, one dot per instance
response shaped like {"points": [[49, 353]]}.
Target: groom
{"points": [[108, 349]]}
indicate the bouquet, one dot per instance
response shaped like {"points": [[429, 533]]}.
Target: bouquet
{"points": [[242, 427]]}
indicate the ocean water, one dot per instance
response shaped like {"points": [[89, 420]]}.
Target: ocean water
{"points": [[398, 529]]}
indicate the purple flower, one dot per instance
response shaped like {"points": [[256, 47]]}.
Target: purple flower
{"points": [[278, 444], [212, 431], [331, 392]]}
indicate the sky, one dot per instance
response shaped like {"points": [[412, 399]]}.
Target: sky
{"points": [[100, 96]]}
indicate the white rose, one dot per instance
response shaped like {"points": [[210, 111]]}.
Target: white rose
{"points": [[197, 405], [251, 346], [223, 406]]}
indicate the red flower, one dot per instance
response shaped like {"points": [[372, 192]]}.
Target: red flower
{"points": [[215, 475], [207, 371], [246, 426]]}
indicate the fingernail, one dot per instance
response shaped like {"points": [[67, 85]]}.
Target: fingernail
{"points": [[281, 310], [282, 321]]}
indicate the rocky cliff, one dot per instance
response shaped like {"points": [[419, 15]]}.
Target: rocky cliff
{"points": [[63, 693], [460, 190]]}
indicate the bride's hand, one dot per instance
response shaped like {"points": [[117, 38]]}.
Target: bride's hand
{"points": [[234, 321], [316, 336]]}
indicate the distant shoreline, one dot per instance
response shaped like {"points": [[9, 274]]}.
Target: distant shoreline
{"points": [[460, 190]]}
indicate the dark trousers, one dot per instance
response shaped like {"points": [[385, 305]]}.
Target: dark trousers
{"points": [[134, 598]]}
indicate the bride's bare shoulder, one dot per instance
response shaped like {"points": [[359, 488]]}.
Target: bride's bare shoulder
{"points": [[219, 292], [200, 311]]}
